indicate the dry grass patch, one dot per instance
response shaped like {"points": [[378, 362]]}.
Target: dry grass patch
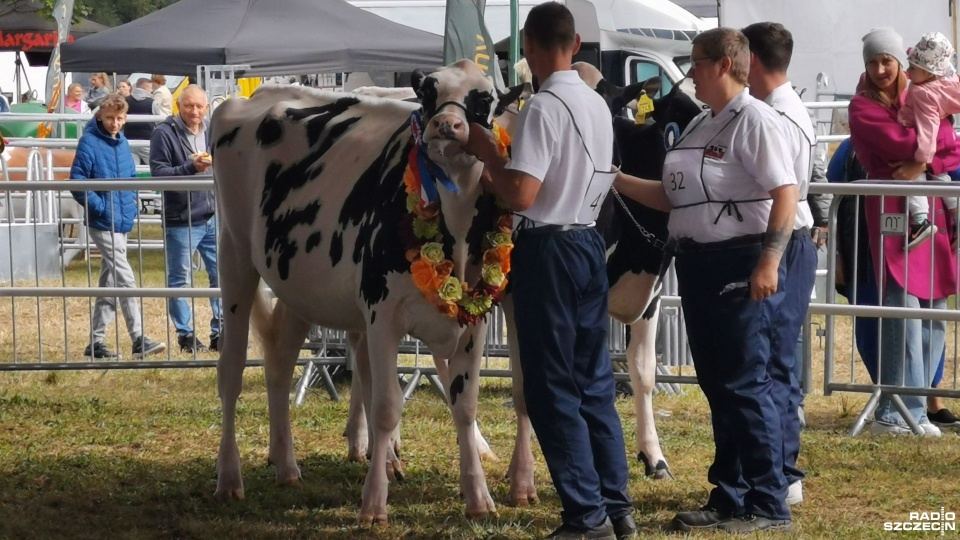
{"points": [[131, 455]]}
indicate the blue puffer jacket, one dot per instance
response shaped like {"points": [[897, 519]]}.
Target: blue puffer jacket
{"points": [[101, 156]]}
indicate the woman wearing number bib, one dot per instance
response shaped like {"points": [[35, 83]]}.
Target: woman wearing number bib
{"points": [[732, 195], [909, 348]]}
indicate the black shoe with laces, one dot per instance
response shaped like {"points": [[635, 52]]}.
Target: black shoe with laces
{"points": [[624, 527], [705, 518], [190, 344], [944, 418], [143, 346], [749, 524], [215, 342], [601, 532], [920, 232], [99, 351]]}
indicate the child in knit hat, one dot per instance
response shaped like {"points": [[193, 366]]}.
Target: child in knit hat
{"points": [[933, 94]]}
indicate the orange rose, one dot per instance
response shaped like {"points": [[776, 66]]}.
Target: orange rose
{"points": [[491, 256], [503, 253], [444, 269], [449, 309], [412, 254], [424, 275], [410, 181]]}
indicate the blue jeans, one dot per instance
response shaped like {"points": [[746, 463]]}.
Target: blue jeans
{"points": [[180, 244], [909, 352]]}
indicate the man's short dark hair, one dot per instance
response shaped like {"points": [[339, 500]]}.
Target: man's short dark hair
{"points": [[550, 25], [772, 43]]}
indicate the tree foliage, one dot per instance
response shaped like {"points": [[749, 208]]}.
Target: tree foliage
{"points": [[107, 12]]}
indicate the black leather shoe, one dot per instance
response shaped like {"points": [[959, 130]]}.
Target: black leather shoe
{"points": [[602, 532], [748, 524], [624, 527], [215, 342], [705, 518]]}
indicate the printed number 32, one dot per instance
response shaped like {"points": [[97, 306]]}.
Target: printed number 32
{"points": [[676, 181]]}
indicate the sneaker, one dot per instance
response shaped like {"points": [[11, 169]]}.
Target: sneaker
{"points": [[748, 524], [566, 532], [99, 351], [215, 342], [705, 518], [143, 346], [795, 493], [920, 232], [190, 344], [888, 428], [929, 430], [944, 418], [624, 527]]}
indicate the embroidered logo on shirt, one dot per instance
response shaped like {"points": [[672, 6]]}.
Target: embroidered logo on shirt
{"points": [[715, 151]]}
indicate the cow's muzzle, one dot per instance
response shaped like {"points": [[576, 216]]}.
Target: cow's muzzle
{"points": [[448, 125]]}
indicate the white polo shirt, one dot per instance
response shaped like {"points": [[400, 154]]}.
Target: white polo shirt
{"points": [[801, 141], [547, 146], [719, 174]]}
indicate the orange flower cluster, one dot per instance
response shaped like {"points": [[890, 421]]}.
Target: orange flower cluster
{"points": [[432, 271]]}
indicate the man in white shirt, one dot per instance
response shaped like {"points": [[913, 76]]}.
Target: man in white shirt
{"points": [[556, 181], [771, 47]]}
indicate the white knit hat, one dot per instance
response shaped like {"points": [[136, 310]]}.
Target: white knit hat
{"points": [[884, 41], [933, 53]]}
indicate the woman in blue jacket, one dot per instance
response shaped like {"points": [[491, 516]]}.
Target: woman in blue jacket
{"points": [[104, 153]]}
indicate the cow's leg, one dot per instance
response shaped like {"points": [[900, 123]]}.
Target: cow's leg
{"points": [[386, 402], [279, 361], [443, 373], [523, 488], [238, 284], [463, 393], [642, 365], [393, 464], [356, 430]]}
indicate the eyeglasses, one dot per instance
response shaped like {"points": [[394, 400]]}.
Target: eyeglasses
{"points": [[695, 61]]}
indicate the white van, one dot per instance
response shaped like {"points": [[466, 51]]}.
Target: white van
{"points": [[629, 40]]}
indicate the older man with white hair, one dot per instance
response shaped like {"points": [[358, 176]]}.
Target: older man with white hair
{"points": [[180, 147]]}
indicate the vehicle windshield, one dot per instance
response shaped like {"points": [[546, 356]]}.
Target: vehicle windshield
{"points": [[683, 62]]}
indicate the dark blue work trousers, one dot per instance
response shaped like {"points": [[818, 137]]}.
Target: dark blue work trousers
{"points": [[731, 339], [800, 259], [559, 285]]}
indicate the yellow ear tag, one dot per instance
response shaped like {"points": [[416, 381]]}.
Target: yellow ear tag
{"points": [[644, 107]]}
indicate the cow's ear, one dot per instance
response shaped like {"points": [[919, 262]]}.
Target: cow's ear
{"points": [[652, 86], [416, 80], [509, 97]]}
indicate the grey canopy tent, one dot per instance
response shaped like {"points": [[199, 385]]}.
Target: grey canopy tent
{"points": [[273, 37]]}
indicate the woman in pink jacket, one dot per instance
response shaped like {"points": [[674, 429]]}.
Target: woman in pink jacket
{"points": [[909, 347]]}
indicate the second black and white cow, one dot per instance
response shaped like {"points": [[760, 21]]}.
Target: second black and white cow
{"points": [[312, 200]]}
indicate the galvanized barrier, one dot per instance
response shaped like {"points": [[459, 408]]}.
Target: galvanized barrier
{"points": [[849, 375]]}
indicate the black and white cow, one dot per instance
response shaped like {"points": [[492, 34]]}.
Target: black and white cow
{"points": [[312, 200]]}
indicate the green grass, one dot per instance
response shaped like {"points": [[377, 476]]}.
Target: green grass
{"points": [[132, 455]]}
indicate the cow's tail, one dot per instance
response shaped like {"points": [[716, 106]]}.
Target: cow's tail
{"points": [[264, 319]]}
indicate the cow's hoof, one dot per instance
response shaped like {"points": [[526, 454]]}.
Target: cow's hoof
{"points": [[484, 508], [524, 500], [357, 456], [292, 479], [395, 471], [224, 495], [660, 471], [373, 520]]}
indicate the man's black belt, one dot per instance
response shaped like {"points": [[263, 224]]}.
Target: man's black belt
{"points": [[682, 246], [547, 229]]}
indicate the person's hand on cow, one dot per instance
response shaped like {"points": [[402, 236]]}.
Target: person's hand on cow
{"points": [[480, 143]]}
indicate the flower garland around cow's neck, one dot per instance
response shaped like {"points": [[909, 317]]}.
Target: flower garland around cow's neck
{"points": [[431, 269]]}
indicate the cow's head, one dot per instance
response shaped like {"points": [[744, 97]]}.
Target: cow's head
{"points": [[454, 97]]}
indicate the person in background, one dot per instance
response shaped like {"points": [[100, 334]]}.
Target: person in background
{"points": [[887, 149], [771, 49], [179, 146], [74, 99], [103, 152], [141, 102], [99, 88], [124, 88], [732, 199], [161, 94], [933, 94]]}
